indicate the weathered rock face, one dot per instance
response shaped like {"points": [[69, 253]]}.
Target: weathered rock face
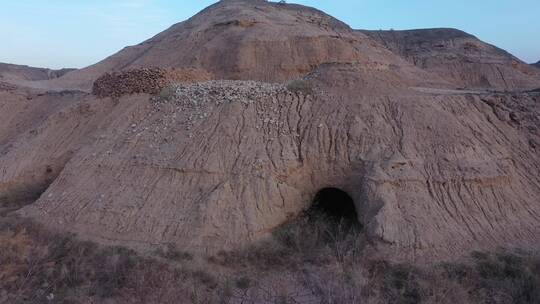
{"points": [[214, 165], [460, 58]]}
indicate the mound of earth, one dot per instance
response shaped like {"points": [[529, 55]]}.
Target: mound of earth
{"points": [[460, 58], [13, 73], [219, 164], [215, 165]]}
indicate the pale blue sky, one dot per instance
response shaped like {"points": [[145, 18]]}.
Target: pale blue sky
{"points": [[77, 33]]}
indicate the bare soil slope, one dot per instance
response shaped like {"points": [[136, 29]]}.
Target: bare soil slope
{"points": [[460, 58], [216, 165]]}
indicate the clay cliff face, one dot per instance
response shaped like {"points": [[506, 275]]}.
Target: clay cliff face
{"points": [[216, 165], [460, 58]]}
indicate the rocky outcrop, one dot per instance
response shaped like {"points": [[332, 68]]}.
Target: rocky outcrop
{"points": [[460, 58]]}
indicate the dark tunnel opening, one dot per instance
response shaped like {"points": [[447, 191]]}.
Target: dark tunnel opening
{"points": [[331, 222], [335, 206]]}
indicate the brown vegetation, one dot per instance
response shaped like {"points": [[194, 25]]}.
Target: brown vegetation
{"points": [[36, 266], [309, 260]]}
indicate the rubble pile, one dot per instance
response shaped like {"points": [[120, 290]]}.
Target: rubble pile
{"points": [[187, 105], [116, 84], [222, 91]]}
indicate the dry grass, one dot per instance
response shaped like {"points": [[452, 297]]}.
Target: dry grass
{"points": [[512, 276], [37, 267], [309, 260]]}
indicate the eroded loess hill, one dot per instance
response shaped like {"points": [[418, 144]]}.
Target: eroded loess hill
{"points": [[219, 164], [460, 58]]}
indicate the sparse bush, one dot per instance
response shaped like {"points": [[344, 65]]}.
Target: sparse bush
{"points": [[314, 240], [300, 86], [458, 271], [509, 274], [399, 282], [167, 92], [170, 252], [58, 264], [243, 282], [36, 265], [319, 254]]}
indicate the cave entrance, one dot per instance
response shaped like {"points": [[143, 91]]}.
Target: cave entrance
{"points": [[335, 206]]}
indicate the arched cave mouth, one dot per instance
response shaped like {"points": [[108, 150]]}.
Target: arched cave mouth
{"points": [[336, 207], [331, 220]]}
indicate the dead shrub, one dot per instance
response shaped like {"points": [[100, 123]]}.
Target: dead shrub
{"points": [[399, 283], [167, 92], [171, 252], [305, 240], [300, 86], [36, 265], [508, 273]]}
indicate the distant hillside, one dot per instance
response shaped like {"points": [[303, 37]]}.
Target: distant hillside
{"points": [[13, 72], [459, 57], [536, 64]]}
